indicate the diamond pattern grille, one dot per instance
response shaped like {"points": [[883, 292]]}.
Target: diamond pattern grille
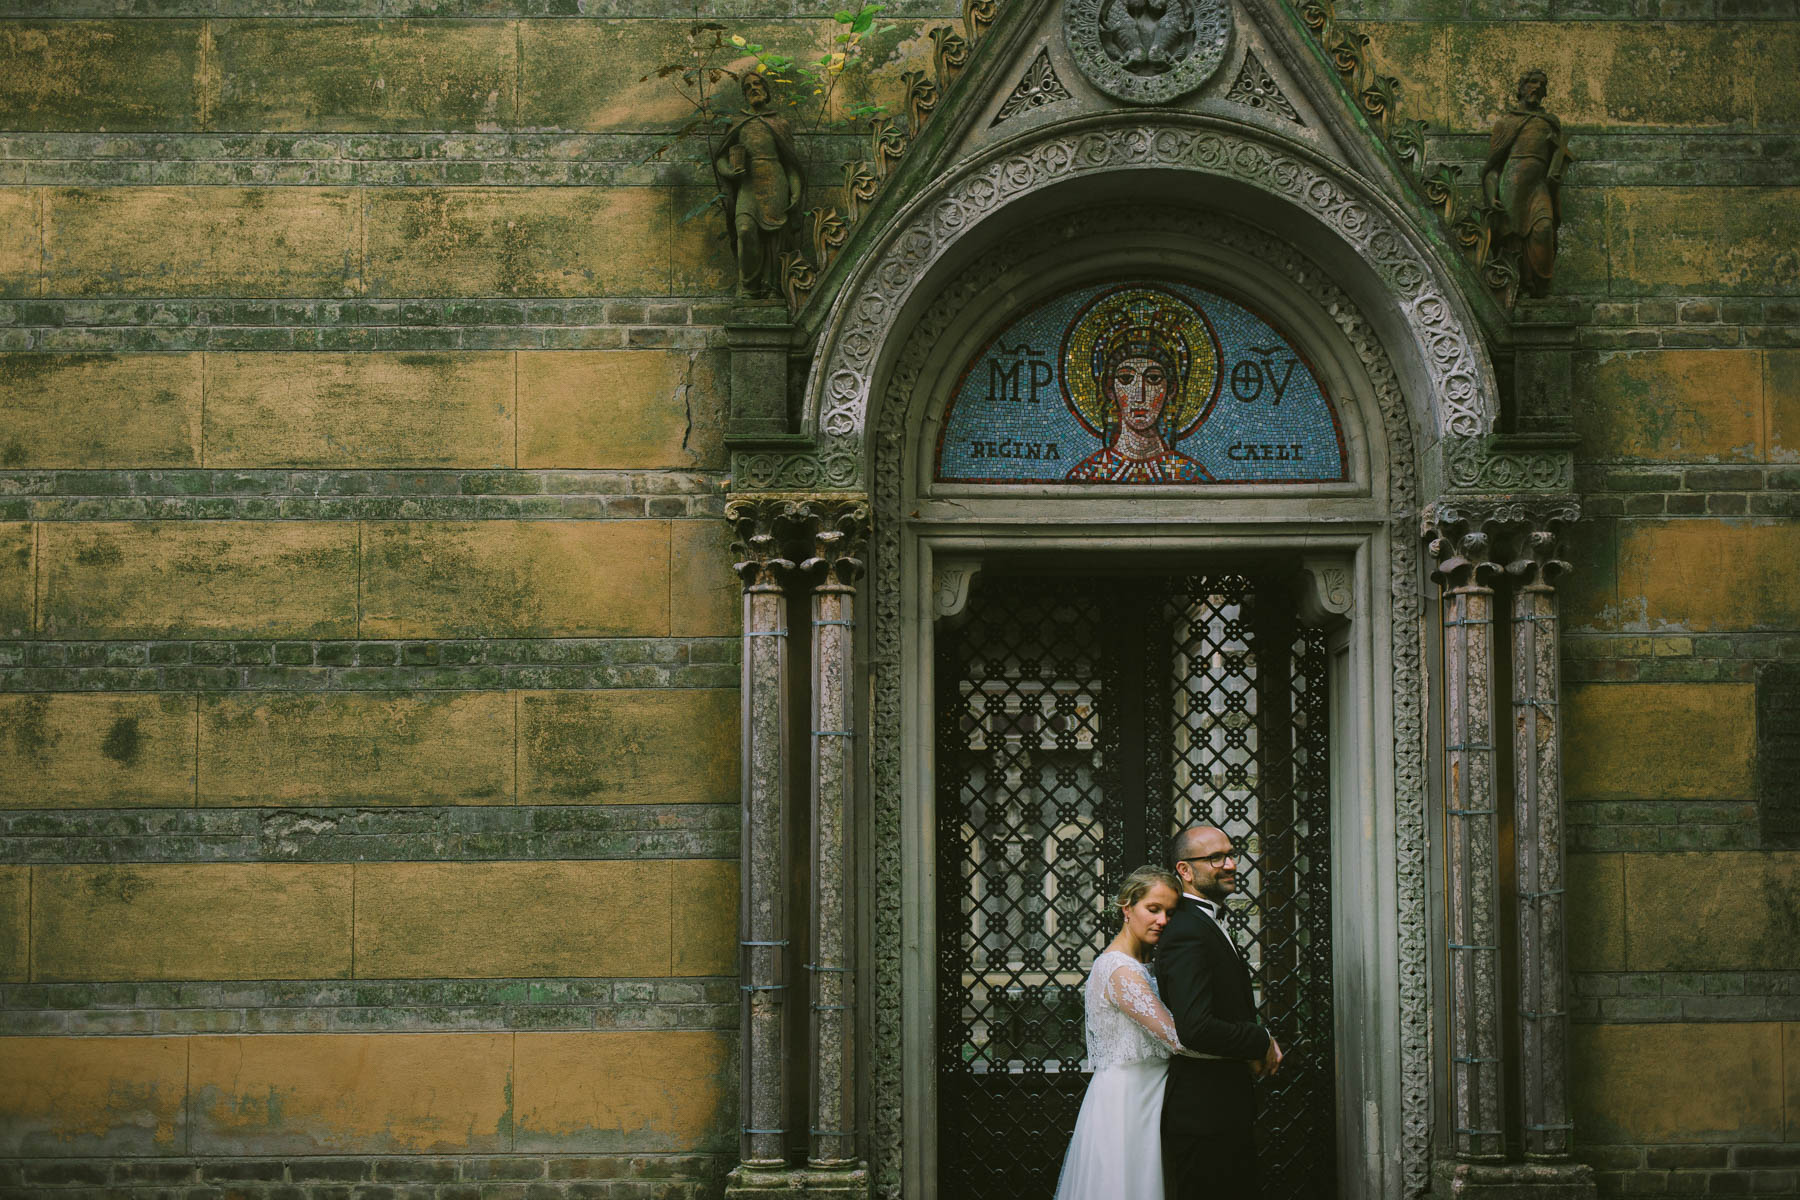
{"points": [[1079, 723]]}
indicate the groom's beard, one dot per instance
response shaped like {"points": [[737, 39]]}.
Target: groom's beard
{"points": [[1219, 889]]}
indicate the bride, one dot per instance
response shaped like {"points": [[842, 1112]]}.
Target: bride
{"points": [[1116, 1153]]}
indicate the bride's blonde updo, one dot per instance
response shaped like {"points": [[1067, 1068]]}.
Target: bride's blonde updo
{"points": [[1137, 885]]}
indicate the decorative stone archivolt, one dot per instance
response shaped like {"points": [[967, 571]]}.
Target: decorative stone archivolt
{"points": [[886, 285], [949, 310]]}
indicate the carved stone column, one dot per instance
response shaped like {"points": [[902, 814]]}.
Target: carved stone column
{"points": [[1464, 567], [762, 918], [1476, 542], [839, 531], [1538, 824]]}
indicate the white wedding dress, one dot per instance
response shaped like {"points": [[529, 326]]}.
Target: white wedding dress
{"points": [[1116, 1153]]}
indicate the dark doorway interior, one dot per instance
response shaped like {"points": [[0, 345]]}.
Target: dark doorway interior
{"points": [[1079, 722]]}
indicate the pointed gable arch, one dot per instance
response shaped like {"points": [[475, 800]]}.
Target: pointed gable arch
{"points": [[1387, 266], [1273, 135]]}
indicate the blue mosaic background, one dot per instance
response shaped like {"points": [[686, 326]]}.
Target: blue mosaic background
{"points": [[1009, 422]]}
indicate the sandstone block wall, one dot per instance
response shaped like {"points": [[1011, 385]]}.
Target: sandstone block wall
{"points": [[1681, 267], [368, 657]]}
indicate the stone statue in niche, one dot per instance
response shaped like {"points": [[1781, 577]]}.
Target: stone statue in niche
{"points": [[1146, 37], [759, 176], [1527, 156]]}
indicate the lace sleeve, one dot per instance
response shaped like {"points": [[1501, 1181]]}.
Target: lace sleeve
{"points": [[1130, 992]]}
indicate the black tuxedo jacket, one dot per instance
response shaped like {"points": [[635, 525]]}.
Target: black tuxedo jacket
{"points": [[1206, 986]]}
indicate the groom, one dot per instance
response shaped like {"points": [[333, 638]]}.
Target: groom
{"points": [[1209, 1106]]}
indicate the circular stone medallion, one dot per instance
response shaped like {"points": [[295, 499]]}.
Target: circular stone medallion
{"points": [[1146, 51]]}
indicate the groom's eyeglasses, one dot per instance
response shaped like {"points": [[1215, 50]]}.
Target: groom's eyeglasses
{"points": [[1214, 860]]}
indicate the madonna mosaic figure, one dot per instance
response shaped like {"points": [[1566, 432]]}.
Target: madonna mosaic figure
{"points": [[1140, 368]]}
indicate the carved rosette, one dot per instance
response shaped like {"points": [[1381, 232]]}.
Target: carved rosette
{"points": [[1146, 54]]}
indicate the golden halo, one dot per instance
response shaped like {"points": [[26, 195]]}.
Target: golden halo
{"points": [[1132, 315]]}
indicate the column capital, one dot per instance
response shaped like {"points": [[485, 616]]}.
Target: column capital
{"points": [[761, 528], [839, 529], [825, 533], [1472, 540]]}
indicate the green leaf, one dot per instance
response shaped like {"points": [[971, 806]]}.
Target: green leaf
{"points": [[711, 201]]}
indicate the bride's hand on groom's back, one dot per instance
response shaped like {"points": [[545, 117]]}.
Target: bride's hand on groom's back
{"points": [[1269, 1063]]}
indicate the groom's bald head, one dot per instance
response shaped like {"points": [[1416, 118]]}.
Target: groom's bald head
{"points": [[1190, 851], [1183, 844]]}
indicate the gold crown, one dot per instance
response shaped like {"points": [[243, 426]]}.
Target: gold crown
{"points": [[1151, 320], [1147, 324]]}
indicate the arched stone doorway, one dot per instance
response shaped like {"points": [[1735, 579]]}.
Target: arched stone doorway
{"points": [[1343, 273], [1345, 530]]}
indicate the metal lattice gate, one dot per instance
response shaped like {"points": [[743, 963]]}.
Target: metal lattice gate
{"points": [[1080, 722]]}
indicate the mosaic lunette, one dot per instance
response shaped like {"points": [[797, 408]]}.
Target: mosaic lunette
{"points": [[1144, 382]]}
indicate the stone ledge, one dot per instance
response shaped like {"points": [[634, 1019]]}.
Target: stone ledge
{"points": [[798, 1183], [363, 508], [453, 833], [1513, 1181], [411, 665], [486, 1177], [708, 1004]]}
